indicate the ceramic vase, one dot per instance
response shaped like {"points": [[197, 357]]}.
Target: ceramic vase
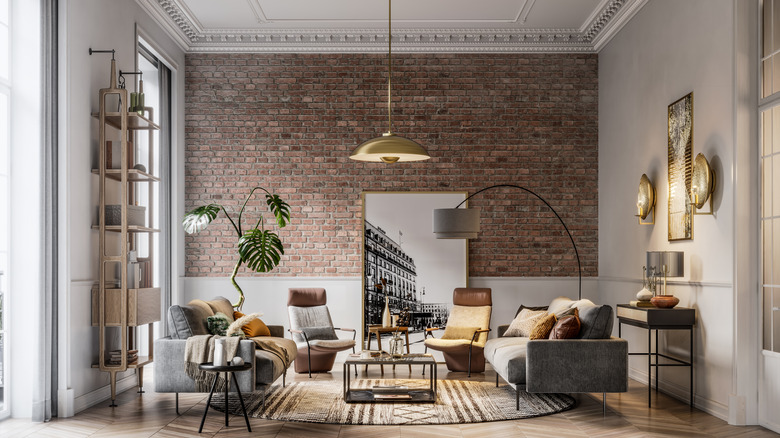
{"points": [[644, 295], [665, 301], [386, 319]]}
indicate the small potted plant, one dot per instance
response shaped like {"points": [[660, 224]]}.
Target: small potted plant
{"points": [[261, 249]]}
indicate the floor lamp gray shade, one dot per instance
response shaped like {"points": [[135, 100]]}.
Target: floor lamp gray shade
{"points": [[463, 223]]}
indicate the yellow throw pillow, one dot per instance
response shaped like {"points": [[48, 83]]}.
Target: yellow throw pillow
{"points": [[542, 328], [451, 332], [255, 327]]}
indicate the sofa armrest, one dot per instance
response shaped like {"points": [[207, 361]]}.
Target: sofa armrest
{"points": [[276, 330], [577, 365], [502, 329], [169, 369]]}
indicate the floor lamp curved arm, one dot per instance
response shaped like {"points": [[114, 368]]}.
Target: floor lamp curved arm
{"points": [[457, 223]]}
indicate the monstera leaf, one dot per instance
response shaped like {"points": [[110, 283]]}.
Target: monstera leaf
{"points": [[279, 208], [260, 249], [198, 219]]}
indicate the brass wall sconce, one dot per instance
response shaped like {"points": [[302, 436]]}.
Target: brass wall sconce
{"points": [[702, 185], [645, 201]]}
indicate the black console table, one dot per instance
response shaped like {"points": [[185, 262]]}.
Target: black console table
{"points": [[652, 318]]}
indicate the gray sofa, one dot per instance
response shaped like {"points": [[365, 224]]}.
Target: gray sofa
{"points": [[189, 320], [593, 362]]}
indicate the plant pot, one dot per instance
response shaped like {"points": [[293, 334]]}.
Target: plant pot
{"points": [[665, 301]]}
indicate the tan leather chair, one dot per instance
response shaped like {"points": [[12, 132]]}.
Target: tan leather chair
{"points": [[466, 332], [313, 331]]}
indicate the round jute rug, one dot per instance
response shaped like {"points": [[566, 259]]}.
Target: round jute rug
{"points": [[458, 401]]}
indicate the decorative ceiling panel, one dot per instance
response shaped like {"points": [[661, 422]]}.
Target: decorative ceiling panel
{"points": [[418, 26]]}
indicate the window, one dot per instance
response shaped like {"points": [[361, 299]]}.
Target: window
{"points": [[5, 104], [770, 174]]}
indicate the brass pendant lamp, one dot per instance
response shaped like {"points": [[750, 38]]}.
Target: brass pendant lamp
{"points": [[389, 148]]}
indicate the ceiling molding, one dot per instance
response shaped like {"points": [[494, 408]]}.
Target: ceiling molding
{"points": [[184, 28]]}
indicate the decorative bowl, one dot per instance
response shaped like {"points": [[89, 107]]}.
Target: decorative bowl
{"points": [[665, 301]]}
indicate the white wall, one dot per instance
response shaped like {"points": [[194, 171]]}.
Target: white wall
{"points": [[667, 50], [99, 24]]}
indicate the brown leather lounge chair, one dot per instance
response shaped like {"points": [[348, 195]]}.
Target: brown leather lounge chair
{"points": [[313, 331], [466, 332]]}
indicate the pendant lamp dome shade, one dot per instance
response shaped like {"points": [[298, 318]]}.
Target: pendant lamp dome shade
{"points": [[389, 148]]}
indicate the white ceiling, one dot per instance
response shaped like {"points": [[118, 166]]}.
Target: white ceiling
{"points": [[418, 25]]}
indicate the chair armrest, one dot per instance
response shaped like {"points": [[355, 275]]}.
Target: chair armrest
{"points": [[502, 329], [429, 332], [302, 333], [354, 332], [477, 333], [277, 331], [577, 365]]}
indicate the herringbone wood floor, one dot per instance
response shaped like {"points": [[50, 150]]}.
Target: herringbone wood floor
{"points": [[153, 415]]}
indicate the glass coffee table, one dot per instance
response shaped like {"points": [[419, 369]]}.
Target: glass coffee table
{"points": [[393, 394]]}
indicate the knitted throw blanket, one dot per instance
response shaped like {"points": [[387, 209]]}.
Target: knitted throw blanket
{"points": [[200, 349]]}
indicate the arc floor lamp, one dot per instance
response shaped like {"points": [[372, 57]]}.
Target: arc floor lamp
{"points": [[463, 223]]}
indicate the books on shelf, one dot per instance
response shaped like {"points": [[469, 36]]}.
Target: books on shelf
{"points": [[115, 357], [391, 389], [641, 304]]}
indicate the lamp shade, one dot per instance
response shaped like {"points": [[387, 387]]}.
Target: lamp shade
{"points": [[673, 260], [456, 223], [389, 148]]}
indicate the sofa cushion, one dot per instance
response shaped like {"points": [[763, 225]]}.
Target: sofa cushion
{"points": [[523, 306], [186, 321], [203, 307], [255, 327], [325, 333], [222, 305], [596, 321], [559, 304], [567, 327], [524, 322], [507, 355], [542, 328]]}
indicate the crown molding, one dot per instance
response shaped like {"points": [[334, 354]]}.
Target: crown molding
{"points": [[189, 34]]}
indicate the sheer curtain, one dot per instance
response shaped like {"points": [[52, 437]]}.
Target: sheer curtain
{"points": [[45, 382]]}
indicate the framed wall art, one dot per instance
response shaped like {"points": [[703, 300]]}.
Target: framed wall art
{"points": [[405, 266], [680, 150]]}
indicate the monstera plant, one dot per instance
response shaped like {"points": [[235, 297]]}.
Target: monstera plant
{"points": [[259, 248]]}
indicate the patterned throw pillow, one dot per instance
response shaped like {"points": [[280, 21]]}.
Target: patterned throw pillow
{"points": [[218, 324], [542, 328], [524, 322]]}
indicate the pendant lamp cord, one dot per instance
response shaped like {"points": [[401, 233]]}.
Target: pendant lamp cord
{"points": [[389, 64]]}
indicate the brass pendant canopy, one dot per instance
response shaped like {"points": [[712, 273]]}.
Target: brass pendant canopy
{"points": [[389, 148], [702, 181]]}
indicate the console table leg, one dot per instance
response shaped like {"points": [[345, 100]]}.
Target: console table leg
{"points": [[691, 366], [657, 369], [649, 366]]}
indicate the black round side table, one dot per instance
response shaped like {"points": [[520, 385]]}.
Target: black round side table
{"points": [[229, 371]]}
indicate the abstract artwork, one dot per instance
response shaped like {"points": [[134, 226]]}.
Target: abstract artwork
{"points": [[680, 168]]}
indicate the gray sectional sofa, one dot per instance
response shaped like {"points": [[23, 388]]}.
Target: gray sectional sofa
{"points": [[189, 320], [593, 362]]}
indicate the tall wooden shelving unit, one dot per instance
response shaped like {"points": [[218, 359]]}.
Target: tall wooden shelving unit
{"points": [[117, 305]]}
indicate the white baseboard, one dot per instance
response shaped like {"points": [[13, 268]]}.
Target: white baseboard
{"points": [[681, 393], [771, 425], [103, 394]]}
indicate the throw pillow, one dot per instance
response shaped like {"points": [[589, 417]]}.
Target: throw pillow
{"points": [[566, 312], [520, 309], [218, 324], [221, 305], [251, 325], [560, 303], [542, 328], [320, 333], [466, 333], [567, 327], [524, 323]]}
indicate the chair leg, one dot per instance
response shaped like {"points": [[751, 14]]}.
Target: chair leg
{"points": [[517, 398], [284, 379], [469, 361], [177, 404], [308, 349], [604, 404], [496, 380]]}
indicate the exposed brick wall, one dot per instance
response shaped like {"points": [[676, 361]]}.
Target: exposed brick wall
{"points": [[288, 123]]}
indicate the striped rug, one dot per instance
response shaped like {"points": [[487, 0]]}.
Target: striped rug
{"points": [[458, 401]]}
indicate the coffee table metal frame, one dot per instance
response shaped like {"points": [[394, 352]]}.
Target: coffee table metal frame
{"points": [[367, 395], [230, 371]]}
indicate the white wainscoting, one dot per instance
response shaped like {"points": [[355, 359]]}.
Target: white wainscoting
{"points": [[769, 393]]}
